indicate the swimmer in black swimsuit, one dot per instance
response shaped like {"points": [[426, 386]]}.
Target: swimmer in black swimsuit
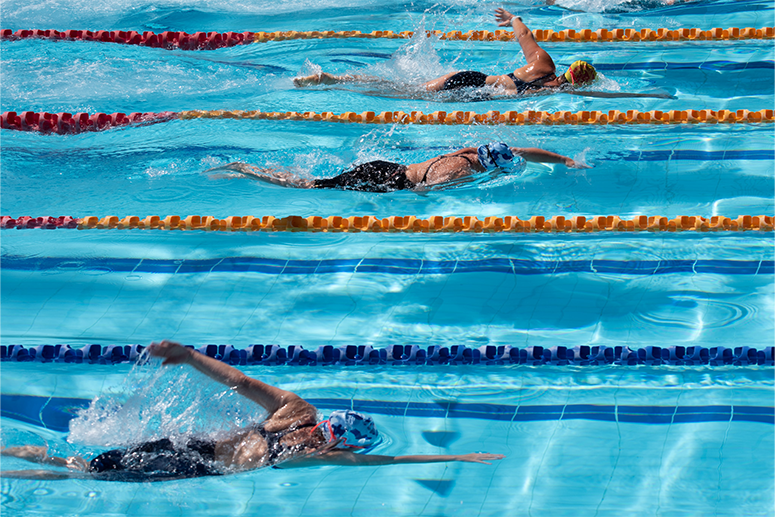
{"points": [[538, 75], [381, 176], [290, 437]]}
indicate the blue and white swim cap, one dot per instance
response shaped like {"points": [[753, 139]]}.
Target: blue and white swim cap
{"points": [[356, 429], [494, 155]]}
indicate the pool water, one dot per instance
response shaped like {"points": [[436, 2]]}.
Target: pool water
{"points": [[578, 440], [673, 442]]}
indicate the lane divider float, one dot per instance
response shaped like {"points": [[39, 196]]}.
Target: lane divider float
{"points": [[402, 224], [66, 123], [354, 355], [214, 40]]}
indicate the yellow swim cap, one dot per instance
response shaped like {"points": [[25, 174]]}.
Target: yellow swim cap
{"points": [[580, 72]]}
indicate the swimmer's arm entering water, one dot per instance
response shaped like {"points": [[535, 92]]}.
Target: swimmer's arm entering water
{"points": [[284, 407], [350, 459]]}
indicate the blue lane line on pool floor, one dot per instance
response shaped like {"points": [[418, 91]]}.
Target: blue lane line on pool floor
{"points": [[55, 413], [387, 266]]}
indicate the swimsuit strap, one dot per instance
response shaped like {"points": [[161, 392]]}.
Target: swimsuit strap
{"points": [[524, 85], [437, 160]]}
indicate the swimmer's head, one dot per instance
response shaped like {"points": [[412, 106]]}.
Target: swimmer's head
{"points": [[580, 73], [355, 430], [495, 155]]}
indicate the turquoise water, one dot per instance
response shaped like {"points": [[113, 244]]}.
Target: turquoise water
{"points": [[647, 442], [591, 441]]}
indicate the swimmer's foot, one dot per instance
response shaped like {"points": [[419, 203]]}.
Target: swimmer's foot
{"points": [[315, 79]]}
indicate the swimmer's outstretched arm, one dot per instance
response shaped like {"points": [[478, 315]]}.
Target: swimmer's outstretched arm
{"points": [[350, 459], [284, 407], [275, 177], [533, 154]]}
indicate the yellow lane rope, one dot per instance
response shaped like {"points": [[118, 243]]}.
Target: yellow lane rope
{"points": [[515, 118], [435, 224], [541, 35]]}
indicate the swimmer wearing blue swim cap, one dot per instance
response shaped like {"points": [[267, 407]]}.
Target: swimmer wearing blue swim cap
{"points": [[447, 170], [291, 436]]}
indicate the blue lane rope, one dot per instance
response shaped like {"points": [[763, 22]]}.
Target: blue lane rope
{"points": [[366, 355]]}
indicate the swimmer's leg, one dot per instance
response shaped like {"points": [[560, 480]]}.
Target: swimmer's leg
{"points": [[44, 475], [275, 177], [39, 454], [326, 78], [437, 84]]}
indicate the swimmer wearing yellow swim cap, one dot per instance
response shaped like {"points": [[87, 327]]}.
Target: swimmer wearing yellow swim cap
{"points": [[538, 75]]}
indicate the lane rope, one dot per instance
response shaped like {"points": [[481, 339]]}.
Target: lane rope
{"points": [[402, 224], [351, 355], [67, 123], [214, 40]]}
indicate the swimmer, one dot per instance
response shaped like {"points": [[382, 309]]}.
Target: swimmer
{"points": [[442, 171], [538, 75], [290, 437]]}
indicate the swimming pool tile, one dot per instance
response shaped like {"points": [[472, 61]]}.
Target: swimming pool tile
{"points": [[438, 267], [198, 266], [629, 267], [727, 267], [754, 410], [574, 266], [380, 407], [301, 267], [157, 266], [675, 266], [531, 267], [484, 411], [393, 266], [589, 412], [701, 417], [766, 267], [338, 266], [421, 409], [488, 265], [250, 264], [538, 413]]}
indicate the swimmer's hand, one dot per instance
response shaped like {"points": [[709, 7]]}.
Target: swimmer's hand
{"points": [[503, 17], [170, 351], [573, 164], [480, 457]]}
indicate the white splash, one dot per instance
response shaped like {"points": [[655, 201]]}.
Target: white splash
{"points": [[161, 402]]}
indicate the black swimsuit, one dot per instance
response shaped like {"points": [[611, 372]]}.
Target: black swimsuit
{"points": [[161, 460], [156, 461], [376, 176], [471, 79], [466, 79]]}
